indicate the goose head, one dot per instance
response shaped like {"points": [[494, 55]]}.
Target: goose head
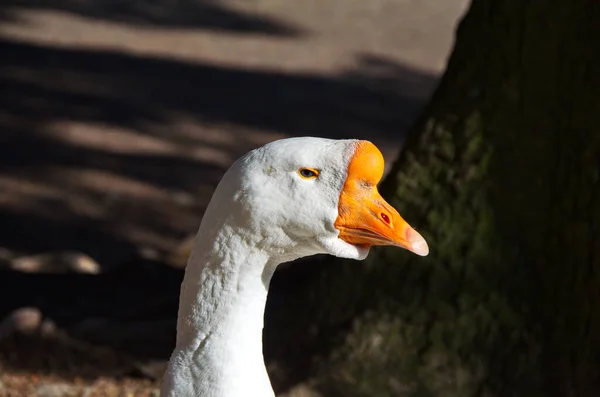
{"points": [[306, 196]]}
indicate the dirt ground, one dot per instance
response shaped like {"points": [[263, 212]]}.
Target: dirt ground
{"points": [[118, 119]]}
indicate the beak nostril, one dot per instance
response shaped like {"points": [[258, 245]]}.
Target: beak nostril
{"points": [[385, 218]]}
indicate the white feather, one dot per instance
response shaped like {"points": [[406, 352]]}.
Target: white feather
{"points": [[261, 214]]}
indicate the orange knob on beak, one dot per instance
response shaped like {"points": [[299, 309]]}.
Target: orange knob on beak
{"points": [[364, 217]]}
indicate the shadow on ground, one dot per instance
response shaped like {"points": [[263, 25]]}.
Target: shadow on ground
{"points": [[109, 154], [94, 148], [182, 14]]}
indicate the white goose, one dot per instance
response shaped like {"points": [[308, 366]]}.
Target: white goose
{"points": [[288, 199]]}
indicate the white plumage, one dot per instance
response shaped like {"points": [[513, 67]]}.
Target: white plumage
{"points": [[288, 199]]}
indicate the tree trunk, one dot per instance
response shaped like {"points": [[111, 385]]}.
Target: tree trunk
{"points": [[501, 176]]}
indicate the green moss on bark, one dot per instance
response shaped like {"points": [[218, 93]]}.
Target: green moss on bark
{"points": [[434, 323]]}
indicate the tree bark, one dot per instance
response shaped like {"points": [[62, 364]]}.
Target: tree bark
{"points": [[501, 175]]}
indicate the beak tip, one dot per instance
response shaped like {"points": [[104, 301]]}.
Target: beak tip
{"points": [[420, 248], [418, 245]]}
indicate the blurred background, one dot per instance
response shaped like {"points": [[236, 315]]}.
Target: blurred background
{"points": [[119, 118]]}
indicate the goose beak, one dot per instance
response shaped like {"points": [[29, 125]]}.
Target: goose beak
{"points": [[372, 221], [364, 217]]}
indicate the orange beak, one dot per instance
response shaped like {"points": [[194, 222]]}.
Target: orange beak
{"points": [[364, 217]]}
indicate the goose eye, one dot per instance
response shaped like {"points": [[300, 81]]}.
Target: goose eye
{"points": [[308, 173]]}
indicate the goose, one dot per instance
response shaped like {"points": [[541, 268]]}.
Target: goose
{"points": [[289, 199]]}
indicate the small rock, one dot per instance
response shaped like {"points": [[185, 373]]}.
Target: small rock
{"points": [[57, 262], [57, 390], [25, 320]]}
